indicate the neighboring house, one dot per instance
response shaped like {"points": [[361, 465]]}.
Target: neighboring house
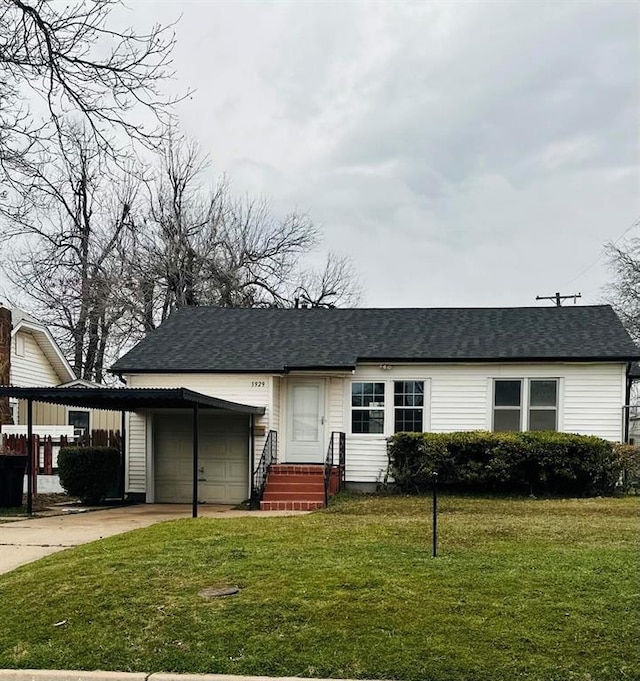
{"points": [[367, 373], [37, 361]]}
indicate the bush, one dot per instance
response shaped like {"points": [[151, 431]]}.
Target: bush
{"points": [[628, 461], [88, 472], [545, 463]]}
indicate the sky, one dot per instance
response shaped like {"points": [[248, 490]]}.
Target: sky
{"points": [[461, 153]]}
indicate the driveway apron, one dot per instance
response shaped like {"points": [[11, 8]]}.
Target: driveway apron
{"points": [[24, 541]]}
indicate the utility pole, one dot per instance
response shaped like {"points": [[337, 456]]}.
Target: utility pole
{"points": [[558, 298]]}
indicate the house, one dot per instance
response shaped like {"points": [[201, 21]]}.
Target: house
{"points": [[366, 373], [35, 360]]}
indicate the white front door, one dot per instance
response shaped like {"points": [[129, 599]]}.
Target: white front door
{"points": [[305, 429]]}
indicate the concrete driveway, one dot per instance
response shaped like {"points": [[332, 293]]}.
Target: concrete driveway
{"points": [[24, 541]]}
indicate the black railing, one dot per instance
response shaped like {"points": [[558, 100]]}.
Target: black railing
{"points": [[337, 445], [269, 456]]}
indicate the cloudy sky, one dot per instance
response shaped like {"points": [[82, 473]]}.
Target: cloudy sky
{"points": [[462, 153]]}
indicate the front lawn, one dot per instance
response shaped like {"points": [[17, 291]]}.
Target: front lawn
{"points": [[523, 589]]}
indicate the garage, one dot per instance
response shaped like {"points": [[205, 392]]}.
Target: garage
{"points": [[223, 461]]}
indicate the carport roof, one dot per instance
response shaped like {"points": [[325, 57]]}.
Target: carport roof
{"points": [[127, 399]]}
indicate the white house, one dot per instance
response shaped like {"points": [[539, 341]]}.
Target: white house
{"points": [[366, 373]]}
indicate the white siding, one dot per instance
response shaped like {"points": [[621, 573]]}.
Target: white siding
{"points": [[136, 452], [459, 397], [336, 404], [251, 389], [275, 403], [32, 370]]}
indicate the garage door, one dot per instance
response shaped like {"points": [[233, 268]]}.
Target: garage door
{"points": [[223, 458]]}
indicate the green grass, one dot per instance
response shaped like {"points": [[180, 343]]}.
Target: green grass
{"points": [[522, 589]]}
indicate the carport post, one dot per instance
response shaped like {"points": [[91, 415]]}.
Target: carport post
{"points": [[194, 505], [123, 451], [252, 446], [29, 457]]}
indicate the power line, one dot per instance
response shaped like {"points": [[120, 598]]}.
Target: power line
{"points": [[635, 223]]}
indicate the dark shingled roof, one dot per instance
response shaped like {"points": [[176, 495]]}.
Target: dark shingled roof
{"points": [[209, 339]]}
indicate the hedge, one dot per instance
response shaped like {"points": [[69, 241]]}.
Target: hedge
{"points": [[88, 472], [539, 463]]}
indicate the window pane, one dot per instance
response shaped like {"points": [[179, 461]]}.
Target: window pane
{"points": [[408, 421], [506, 419], [542, 419], [408, 393], [367, 421], [507, 393], [367, 394], [543, 393]]}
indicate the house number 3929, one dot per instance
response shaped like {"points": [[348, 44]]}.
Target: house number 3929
{"points": [[258, 384]]}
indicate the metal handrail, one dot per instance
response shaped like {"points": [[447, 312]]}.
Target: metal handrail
{"points": [[268, 457], [329, 463]]}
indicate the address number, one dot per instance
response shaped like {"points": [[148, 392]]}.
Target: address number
{"points": [[258, 384]]}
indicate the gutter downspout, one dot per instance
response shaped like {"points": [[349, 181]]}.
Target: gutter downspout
{"points": [[627, 409]]}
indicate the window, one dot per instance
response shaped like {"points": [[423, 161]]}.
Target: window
{"points": [[367, 408], [507, 405], [80, 422], [408, 405], [541, 406]]}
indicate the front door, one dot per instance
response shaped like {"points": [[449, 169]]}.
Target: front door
{"points": [[305, 436]]}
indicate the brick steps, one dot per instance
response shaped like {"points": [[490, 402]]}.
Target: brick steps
{"points": [[296, 487], [291, 505]]}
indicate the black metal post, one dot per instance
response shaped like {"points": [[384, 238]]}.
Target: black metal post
{"points": [[194, 504], [434, 507], [252, 446], [123, 453], [30, 456]]}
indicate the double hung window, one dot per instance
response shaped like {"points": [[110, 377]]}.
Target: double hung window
{"points": [[408, 406], [525, 404], [367, 407], [402, 403]]}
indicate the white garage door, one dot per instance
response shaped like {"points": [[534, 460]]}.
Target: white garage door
{"points": [[223, 458]]}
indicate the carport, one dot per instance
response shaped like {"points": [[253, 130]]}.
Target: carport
{"points": [[128, 400]]}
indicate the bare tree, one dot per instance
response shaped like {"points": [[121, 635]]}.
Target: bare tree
{"points": [[205, 247], [61, 61], [624, 290], [104, 257], [66, 236], [334, 286]]}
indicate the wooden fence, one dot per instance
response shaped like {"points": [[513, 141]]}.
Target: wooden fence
{"points": [[45, 449]]}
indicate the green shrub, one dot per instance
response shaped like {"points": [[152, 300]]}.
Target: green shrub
{"points": [[88, 472], [628, 461], [545, 463]]}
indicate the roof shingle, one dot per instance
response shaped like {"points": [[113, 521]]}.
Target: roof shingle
{"points": [[210, 339]]}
